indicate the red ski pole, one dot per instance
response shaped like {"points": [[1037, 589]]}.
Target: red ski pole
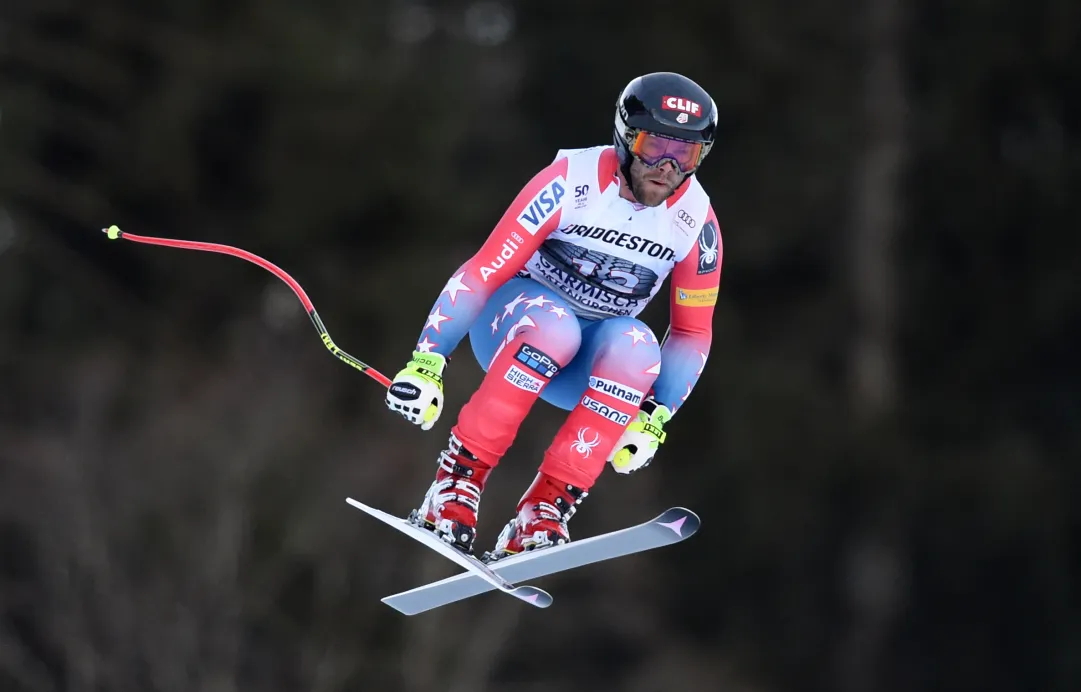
{"points": [[115, 233]]}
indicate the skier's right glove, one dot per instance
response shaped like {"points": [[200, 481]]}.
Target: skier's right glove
{"points": [[417, 389]]}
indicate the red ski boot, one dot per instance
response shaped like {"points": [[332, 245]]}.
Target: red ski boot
{"points": [[543, 513], [451, 504]]}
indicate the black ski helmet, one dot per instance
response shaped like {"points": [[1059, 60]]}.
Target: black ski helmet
{"points": [[663, 103]]}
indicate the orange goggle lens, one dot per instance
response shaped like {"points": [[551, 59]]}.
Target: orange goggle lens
{"points": [[652, 149]]}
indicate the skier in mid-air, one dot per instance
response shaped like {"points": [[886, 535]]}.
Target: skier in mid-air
{"points": [[550, 303]]}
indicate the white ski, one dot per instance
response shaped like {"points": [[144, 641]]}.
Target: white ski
{"points": [[477, 569], [674, 525]]}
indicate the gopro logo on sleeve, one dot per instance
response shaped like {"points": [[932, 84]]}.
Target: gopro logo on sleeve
{"points": [[541, 207]]}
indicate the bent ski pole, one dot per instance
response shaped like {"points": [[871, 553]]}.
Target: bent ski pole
{"points": [[115, 233]]}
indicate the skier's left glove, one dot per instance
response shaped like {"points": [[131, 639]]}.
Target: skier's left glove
{"points": [[417, 389], [638, 445]]}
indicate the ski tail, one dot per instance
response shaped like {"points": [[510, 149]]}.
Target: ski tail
{"points": [[538, 598]]}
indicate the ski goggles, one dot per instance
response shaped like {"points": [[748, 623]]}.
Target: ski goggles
{"points": [[651, 149]]}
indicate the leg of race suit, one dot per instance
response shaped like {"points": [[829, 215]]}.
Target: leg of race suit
{"points": [[523, 337], [603, 387]]}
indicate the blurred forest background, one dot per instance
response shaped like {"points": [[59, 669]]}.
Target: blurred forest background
{"points": [[884, 447]]}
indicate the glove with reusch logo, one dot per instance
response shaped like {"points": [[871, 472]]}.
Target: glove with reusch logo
{"points": [[638, 445], [417, 390]]}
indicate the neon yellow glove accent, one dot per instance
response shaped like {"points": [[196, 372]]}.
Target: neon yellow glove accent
{"points": [[429, 366], [640, 441]]}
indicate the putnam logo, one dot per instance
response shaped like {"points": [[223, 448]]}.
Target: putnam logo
{"points": [[700, 298], [620, 391], [541, 207]]}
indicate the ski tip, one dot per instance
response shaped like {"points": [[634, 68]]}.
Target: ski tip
{"points": [[533, 596], [361, 506], [681, 520]]}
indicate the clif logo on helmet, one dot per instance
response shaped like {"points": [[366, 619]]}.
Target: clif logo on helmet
{"points": [[668, 105], [675, 103]]}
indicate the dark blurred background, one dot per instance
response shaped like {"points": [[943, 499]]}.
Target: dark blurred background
{"points": [[884, 446]]}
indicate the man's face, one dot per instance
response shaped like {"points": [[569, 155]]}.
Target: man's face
{"points": [[651, 186]]}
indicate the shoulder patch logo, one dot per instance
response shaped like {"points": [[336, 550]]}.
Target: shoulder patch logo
{"points": [[708, 248], [696, 298]]}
